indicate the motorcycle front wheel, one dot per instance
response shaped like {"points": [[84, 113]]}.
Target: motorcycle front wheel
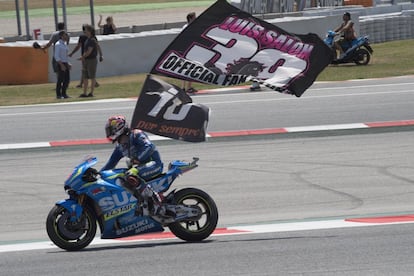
{"points": [[202, 227], [70, 236], [362, 57]]}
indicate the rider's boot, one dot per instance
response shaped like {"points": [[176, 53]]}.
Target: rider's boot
{"points": [[132, 183], [142, 205], [150, 202], [157, 206]]}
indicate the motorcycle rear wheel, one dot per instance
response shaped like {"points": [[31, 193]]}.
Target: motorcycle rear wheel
{"points": [[204, 225], [362, 57], [67, 235]]}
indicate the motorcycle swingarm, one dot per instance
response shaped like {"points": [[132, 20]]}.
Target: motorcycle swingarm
{"points": [[183, 213], [187, 213]]}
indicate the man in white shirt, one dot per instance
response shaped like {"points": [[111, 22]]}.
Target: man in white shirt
{"points": [[63, 65], [54, 38]]}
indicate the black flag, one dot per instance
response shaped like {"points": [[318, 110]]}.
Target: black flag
{"points": [[165, 109], [227, 46]]}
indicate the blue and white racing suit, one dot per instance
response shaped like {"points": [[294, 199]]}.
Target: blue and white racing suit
{"points": [[141, 151]]}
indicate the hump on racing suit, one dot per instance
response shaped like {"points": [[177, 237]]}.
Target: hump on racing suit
{"points": [[141, 151]]}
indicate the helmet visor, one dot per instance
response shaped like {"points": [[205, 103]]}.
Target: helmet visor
{"points": [[109, 132]]}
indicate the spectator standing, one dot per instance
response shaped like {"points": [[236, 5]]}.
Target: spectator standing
{"points": [[187, 84], [90, 61], [52, 41], [81, 45], [63, 65], [109, 27]]}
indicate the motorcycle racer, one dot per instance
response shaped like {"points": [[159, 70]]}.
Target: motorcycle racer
{"points": [[144, 157]]}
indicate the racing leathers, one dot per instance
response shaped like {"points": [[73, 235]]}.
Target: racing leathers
{"points": [[142, 153], [146, 164]]}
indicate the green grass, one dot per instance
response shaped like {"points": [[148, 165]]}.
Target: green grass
{"points": [[111, 87], [389, 59]]}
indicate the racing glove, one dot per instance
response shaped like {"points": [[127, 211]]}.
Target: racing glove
{"points": [[132, 178]]}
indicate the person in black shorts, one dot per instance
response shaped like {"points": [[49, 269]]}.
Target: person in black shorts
{"points": [[81, 43], [89, 61]]}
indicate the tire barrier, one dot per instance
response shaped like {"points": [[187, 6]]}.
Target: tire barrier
{"points": [[388, 27]]}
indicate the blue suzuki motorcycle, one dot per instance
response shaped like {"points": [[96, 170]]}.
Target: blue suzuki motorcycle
{"points": [[100, 198], [358, 51]]}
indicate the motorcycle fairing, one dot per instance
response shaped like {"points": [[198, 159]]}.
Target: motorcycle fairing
{"points": [[75, 178], [162, 183], [358, 42], [122, 225], [130, 225], [115, 207], [73, 208], [117, 211], [111, 176]]}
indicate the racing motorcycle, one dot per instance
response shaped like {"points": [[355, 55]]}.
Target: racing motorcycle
{"points": [[99, 197], [359, 51]]}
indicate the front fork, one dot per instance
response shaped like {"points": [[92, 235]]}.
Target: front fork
{"points": [[74, 206]]}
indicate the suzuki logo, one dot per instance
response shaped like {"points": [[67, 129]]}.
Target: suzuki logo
{"points": [[116, 200]]}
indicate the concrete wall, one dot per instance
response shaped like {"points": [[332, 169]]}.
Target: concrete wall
{"points": [[132, 53], [123, 53]]}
